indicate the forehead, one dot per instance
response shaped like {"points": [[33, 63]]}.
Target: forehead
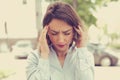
{"points": [[59, 25]]}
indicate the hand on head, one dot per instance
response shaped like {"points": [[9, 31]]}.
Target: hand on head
{"points": [[43, 45], [81, 37]]}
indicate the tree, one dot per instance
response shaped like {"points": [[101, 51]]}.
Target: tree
{"points": [[85, 8]]}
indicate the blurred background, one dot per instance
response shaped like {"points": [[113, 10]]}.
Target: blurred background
{"points": [[21, 20]]}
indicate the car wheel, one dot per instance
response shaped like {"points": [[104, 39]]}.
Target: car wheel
{"points": [[105, 61]]}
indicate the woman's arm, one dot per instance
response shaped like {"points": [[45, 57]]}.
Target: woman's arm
{"points": [[37, 67]]}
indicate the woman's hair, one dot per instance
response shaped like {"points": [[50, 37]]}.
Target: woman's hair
{"points": [[65, 12], [62, 11]]}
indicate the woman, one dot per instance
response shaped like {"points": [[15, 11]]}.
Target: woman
{"points": [[62, 54]]}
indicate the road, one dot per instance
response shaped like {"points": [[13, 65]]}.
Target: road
{"points": [[101, 73]]}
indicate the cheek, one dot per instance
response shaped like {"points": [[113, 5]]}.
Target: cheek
{"points": [[53, 39]]}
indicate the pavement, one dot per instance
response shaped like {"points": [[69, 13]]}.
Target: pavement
{"points": [[13, 69], [107, 73]]}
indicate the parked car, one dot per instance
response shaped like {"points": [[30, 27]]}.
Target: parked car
{"points": [[21, 49], [102, 58]]}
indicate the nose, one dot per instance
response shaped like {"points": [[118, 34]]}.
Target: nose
{"points": [[61, 38]]}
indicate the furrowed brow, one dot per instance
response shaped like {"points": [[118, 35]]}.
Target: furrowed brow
{"points": [[67, 30], [53, 31], [62, 31]]}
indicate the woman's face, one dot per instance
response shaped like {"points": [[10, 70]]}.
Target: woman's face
{"points": [[60, 34]]}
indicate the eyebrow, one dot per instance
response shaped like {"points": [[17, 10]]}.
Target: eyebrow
{"points": [[62, 31]]}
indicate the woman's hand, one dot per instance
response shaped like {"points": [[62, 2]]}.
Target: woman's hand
{"points": [[43, 45], [81, 39]]}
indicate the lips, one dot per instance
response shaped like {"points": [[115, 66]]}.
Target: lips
{"points": [[61, 46]]}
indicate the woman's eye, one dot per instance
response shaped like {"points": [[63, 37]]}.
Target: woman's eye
{"points": [[67, 33], [54, 33]]}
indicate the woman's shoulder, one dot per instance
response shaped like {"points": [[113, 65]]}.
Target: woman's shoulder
{"points": [[84, 53], [86, 59]]}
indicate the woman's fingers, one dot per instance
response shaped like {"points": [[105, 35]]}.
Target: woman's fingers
{"points": [[80, 41], [43, 45], [78, 30], [43, 33], [45, 30]]}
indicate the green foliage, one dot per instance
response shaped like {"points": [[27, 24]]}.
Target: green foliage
{"points": [[85, 8]]}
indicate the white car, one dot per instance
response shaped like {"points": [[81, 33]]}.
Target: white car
{"points": [[22, 48]]}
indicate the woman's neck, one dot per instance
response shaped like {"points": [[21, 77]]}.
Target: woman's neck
{"points": [[61, 54], [61, 57]]}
